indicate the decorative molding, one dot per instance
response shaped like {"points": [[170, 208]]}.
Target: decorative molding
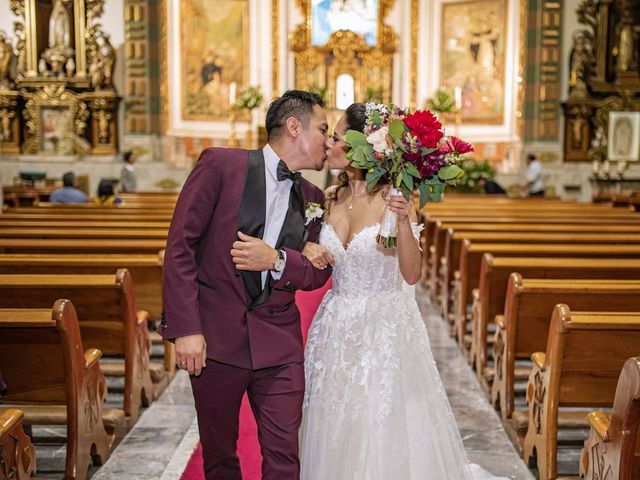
{"points": [[413, 63], [275, 48]]}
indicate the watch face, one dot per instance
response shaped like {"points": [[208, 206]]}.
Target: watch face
{"points": [[278, 266]]}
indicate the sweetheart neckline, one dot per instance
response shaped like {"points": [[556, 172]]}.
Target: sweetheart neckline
{"points": [[362, 230]]}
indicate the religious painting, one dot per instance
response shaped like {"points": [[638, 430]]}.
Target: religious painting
{"points": [[623, 142], [473, 55], [214, 50], [329, 16], [57, 134]]}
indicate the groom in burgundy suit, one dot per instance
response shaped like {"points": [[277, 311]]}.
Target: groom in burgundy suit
{"points": [[231, 269]]}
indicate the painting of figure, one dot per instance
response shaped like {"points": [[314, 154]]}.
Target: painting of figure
{"points": [[359, 16], [624, 136], [57, 131], [473, 57], [214, 52]]}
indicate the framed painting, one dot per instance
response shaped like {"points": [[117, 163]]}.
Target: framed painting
{"points": [[214, 50], [473, 56], [329, 16], [56, 129], [623, 142]]}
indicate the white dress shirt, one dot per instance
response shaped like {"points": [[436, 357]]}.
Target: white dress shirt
{"points": [[534, 174], [277, 203]]}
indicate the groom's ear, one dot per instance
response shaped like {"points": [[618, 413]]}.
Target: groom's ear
{"points": [[293, 126]]}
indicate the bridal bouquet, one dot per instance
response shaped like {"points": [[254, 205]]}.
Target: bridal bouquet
{"points": [[410, 151]]}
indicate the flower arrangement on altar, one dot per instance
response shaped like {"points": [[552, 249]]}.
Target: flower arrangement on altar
{"points": [[249, 98], [409, 149]]}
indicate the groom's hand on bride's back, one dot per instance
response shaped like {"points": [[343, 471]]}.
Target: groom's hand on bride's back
{"points": [[318, 255], [191, 353]]}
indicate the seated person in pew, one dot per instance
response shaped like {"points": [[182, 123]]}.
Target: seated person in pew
{"points": [[106, 195], [69, 193], [491, 187]]}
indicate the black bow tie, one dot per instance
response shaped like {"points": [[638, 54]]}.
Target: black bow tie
{"points": [[283, 173]]}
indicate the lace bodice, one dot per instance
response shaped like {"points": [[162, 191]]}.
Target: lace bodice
{"points": [[364, 268]]}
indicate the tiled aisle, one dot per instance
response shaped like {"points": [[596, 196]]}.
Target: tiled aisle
{"points": [[161, 443]]}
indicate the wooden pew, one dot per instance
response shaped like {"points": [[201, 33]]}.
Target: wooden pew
{"points": [[524, 328], [453, 245], [580, 368], [81, 209], [145, 270], [81, 224], [612, 449], [106, 233], [90, 216], [54, 380], [124, 246], [467, 274], [489, 298], [108, 318], [17, 455]]}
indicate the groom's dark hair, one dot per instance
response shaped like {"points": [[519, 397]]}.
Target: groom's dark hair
{"points": [[293, 103]]}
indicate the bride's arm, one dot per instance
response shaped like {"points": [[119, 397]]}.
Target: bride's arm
{"points": [[407, 249]]}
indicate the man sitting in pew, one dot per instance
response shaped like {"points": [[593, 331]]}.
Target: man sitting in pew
{"points": [[69, 193]]}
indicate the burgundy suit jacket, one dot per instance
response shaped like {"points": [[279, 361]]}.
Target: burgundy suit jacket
{"points": [[203, 291]]}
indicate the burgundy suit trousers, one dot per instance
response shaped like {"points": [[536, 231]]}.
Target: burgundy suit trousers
{"points": [[275, 395]]}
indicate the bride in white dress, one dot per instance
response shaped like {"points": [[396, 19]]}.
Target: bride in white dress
{"points": [[374, 408]]}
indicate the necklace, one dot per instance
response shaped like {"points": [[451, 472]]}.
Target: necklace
{"points": [[353, 198]]}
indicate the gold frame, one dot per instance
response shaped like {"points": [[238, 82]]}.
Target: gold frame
{"points": [[52, 97], [499, 119], [245, 80], [372, 65]]}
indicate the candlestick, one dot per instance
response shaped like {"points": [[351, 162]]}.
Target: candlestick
{"points": [[232, 94], [233, 138], [458, 98]]}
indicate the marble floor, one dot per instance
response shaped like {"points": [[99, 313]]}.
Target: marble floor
{"points": [[160, 444]]}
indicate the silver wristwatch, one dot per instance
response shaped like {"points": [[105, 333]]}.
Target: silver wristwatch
{"points": [[280, 262]]}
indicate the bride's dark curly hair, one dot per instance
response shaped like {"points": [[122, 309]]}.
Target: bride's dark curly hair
{"points": [[356, 119]]}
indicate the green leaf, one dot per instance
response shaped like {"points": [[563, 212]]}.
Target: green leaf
{"points": [[450, 172], [398, 181], [354, 139], [373, 178], [412, 170], [407, 180], [424, 194], [396, 129]]}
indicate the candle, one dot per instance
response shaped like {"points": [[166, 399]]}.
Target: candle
{"points": [[458, 98], [232, 93], [595, 167]]}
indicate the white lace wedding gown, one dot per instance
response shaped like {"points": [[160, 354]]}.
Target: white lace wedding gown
{"points": [[374, 407]]}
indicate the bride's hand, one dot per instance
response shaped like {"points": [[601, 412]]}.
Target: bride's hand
{"points": [[319, 256], [400, 205]]}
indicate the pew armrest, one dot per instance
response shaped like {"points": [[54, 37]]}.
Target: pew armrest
{"points": [[143, 316], [599, 423], [538, 359], [8, 419], [91, 357]]}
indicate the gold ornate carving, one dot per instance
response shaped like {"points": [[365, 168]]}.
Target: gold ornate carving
{"points": [[345, 53], [413, 63], [275, 48]]}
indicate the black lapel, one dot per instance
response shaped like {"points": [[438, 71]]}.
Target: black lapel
{"points": [[291, 235], [252, 214]]}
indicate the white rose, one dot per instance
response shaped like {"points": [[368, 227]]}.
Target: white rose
{"points": [[379, 140]]}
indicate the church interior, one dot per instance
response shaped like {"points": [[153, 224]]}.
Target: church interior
{"points": [[529, 291]]}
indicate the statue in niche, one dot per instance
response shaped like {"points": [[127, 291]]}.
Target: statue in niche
{"points": [[59, 26], [579, 61], [102, 62], [625, 49], [21, 45], [577, 126], [59, 51], [6, 57]]}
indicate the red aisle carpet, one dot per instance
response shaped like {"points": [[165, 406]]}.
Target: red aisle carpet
{"points": [[248, 448]]}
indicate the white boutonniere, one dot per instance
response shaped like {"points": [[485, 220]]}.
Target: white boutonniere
{"points": [[313, 211]]}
